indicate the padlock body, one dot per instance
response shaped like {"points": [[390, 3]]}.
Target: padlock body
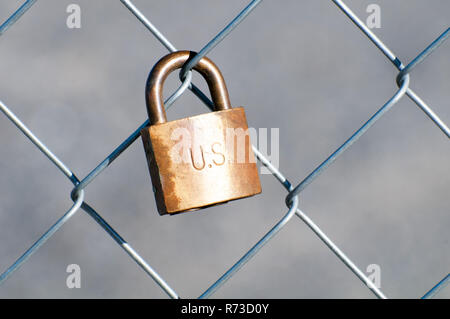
{"points": [[201, 161]]}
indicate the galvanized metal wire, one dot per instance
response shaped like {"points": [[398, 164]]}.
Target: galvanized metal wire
{"points": [[78, 192], [437, 288], [16, 15]]}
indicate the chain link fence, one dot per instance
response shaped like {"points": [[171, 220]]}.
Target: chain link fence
{"points": [[293, 189]]}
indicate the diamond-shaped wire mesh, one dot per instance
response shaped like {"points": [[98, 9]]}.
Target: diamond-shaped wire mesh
{"points": [[80, 192]]}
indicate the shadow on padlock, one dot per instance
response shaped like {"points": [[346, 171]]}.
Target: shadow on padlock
{"points": [[194, 162]]}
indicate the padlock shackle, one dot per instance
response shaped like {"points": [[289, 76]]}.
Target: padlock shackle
{"points": [[171, 62]]}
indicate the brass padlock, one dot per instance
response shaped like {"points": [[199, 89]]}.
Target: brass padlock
{"points": [[194, 162]]}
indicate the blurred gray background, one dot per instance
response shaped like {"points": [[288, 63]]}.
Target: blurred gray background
{"points": [[300, 66]]}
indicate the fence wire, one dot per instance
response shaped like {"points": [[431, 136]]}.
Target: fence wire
{"points": [[78, 192]]}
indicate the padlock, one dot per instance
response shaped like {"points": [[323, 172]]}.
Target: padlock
{"points": [[199, 161]]}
